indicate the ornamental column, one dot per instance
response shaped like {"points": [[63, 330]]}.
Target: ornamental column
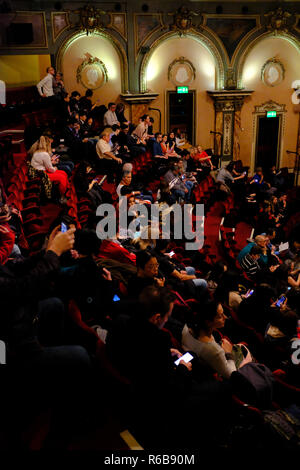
{"points": [[139, 103], [228, 105]]}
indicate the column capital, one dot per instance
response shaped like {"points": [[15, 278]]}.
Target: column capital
{"points": [[229, 100], [139, 98]]}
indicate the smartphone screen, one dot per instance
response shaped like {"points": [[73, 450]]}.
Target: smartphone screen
{"points": [[250, 292], [280, 301], [116, 298], [63, 227], [172, 253], [187, 357]]}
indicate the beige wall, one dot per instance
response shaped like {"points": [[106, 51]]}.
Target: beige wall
{"points": [[281, 94], [97, 47], [23, 70], [157, 81]]}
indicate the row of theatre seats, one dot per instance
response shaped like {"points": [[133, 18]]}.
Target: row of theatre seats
{"points": [[24, 194]]}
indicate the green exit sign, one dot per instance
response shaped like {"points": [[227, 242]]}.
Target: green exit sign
{"points": [[182, 89], [271, 113]]}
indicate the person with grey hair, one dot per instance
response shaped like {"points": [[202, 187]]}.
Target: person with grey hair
{"points": [[108, 162]]}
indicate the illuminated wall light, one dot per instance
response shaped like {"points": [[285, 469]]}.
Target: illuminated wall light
{"points": [[111, 68], [152, 70], [250, 72], [207, 68]]}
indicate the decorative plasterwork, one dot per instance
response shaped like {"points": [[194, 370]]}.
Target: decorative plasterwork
{"points": [[270, 106], [118, 23], [247, 48], [143, 29], [242, 39], [296, 25], [232, 100], [92, 73], [183, 20], [117, 45], [137, 98], [90, 19], [197, 36], [181, 72], [277, 20], [38, 21], [272, 72], [60, 23]]}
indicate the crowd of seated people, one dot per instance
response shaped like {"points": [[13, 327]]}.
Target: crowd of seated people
{"points": [[133, 291]]}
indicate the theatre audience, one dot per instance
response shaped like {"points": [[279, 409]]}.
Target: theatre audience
{"points": [[134, 298]]}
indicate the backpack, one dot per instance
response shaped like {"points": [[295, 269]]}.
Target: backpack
{"points": [[284, 426], [253, 383]]}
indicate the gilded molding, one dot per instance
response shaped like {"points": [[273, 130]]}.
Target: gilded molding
{"points": [[137, 45], [112, 26], [68, 25], [91, 61], [277, 20], [30, 46], [279, 67], [248, 48], [184, 61], [243, 40], [197, 36], [296, 25], [103, 34], [183, 20]]}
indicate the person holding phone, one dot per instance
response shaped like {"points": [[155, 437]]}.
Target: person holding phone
{"points": [[197, 336], [166, 395]]}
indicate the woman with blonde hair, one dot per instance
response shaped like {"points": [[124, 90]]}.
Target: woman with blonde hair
{"points": [[43, 160]]}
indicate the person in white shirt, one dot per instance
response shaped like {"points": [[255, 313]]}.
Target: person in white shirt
{"points": [[110, 163], [110, 117], [45, 86], [42, 160]]}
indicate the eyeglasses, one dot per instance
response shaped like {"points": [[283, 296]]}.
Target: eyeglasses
{"points": [[151, 266]]}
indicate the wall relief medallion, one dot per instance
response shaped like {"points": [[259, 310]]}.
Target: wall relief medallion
{"points": [[92, 73], [272, 72], [181, 72]]}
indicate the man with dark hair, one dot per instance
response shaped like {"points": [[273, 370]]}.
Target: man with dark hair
{"points": [[141, 131], [110, 117], [249, 263], [74, 101]]}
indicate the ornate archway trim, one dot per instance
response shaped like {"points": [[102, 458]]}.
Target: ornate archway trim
{"points": [[244, 52], [117, 45], [219, 40], [202, 39]]}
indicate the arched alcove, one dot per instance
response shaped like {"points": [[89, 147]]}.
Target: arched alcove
{"points": [[285, 51], [156, 77], [195, 39], [78, 48]]}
